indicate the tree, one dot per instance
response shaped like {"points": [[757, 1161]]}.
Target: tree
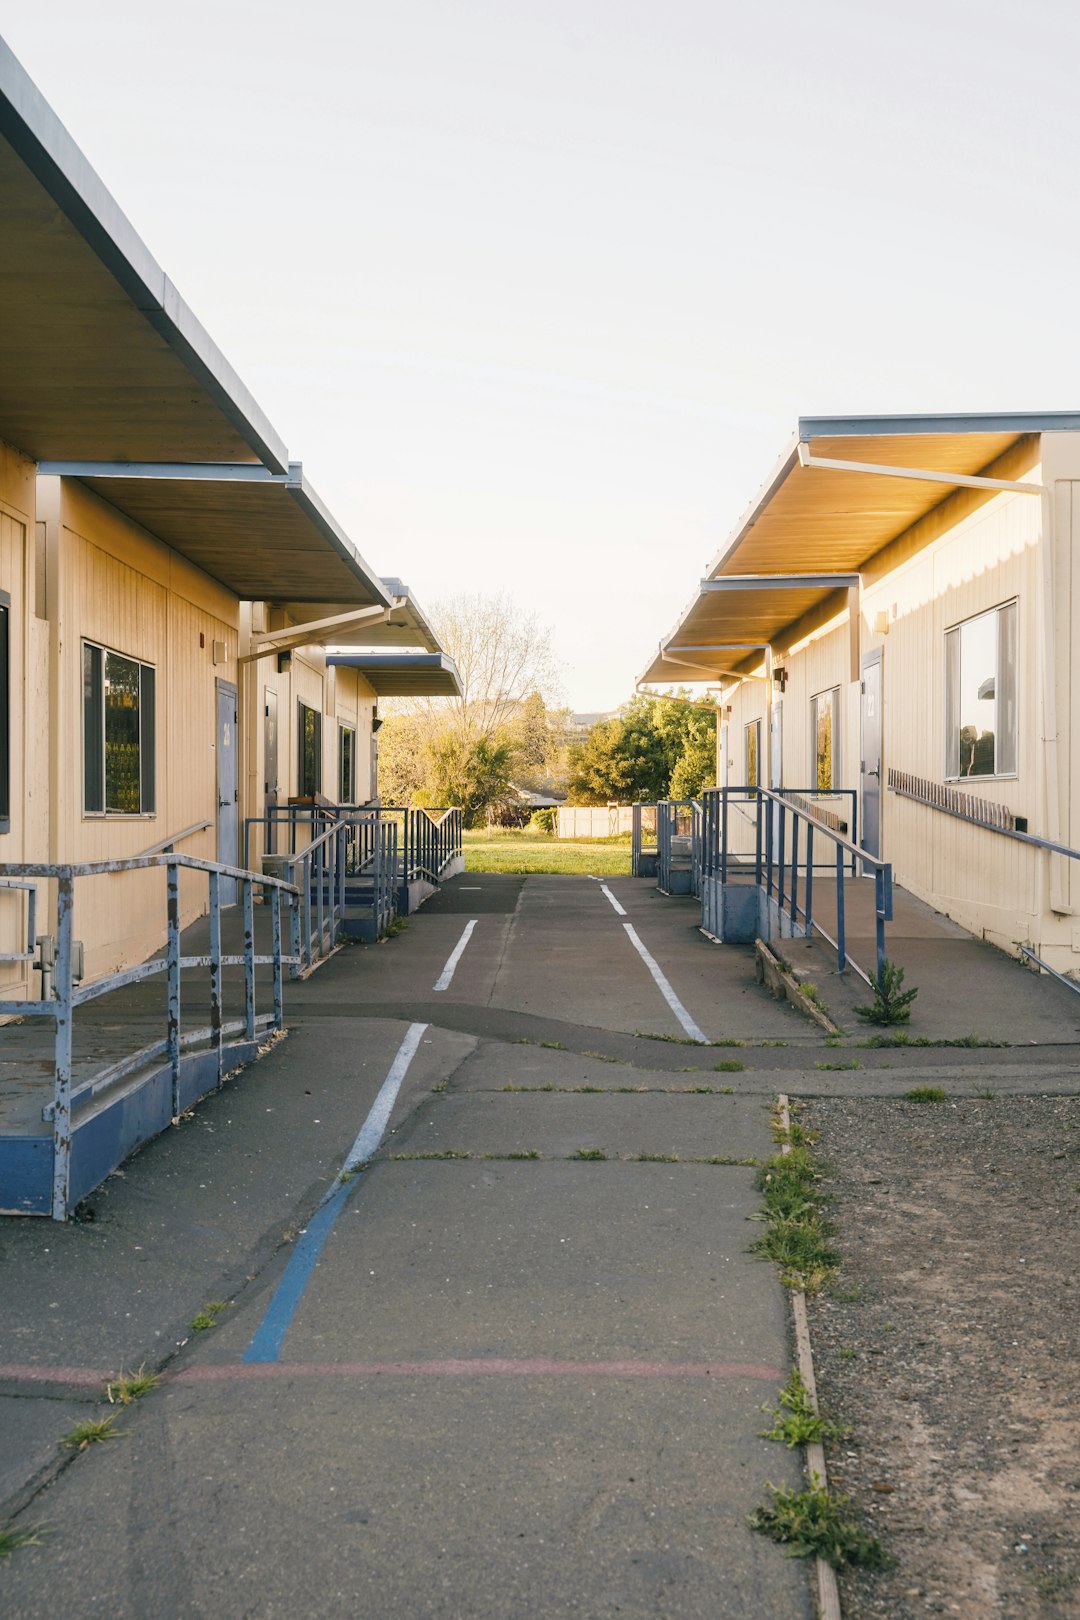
{"points": [[467, 750], [652, 749]]}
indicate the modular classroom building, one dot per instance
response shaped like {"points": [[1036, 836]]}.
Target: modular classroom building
{"points": [[169, 581], [896, 615]]}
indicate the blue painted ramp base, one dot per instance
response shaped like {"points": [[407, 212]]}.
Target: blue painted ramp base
{"points": [[108, 1131]]}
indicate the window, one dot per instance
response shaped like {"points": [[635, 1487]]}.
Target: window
{"points": [[346, 764], [980, 695], [753, 751], [119, 734], [5, 712], [824, 728], [309, 772]]}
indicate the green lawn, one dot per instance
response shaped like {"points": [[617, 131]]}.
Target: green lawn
{"points": [[510, 851]]}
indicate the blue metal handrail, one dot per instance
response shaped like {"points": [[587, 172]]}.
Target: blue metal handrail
{"points": [[643, 824], [30, 889], [59, 1005], [778, 862], [678, 818]]}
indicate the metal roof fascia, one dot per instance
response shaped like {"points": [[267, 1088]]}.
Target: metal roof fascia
{"points": [[34, 131], [788, 461], [225, 472], [844, 427], [775, 582], [305, 497]]}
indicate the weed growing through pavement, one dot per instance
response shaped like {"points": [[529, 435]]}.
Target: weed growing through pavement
{"points": [[797, 1235], [441, 1087], [589, 1153], [671, 1040], [602, 1057], [396, 926], [657, 1158], [554, 1046], [891, 1003], [15, 1536], [129, 1387], [813, 1523], [207, 1317], [525, 1153], [729, 1066], [986, 1096], [431, 1153], [91, 1432], [925, 1094], [855, 1064], [795, 1421]]}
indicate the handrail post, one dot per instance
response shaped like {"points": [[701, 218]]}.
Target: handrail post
{"points": [[249, 958], [215, 970], [320, 906], [841, 949], [757, 838], [854, 830], [794, 865], [275, 951], [809, 877], [62, 990], [172, 1035], [778, 805], [723, 834], [295, 948], [305, 867]]}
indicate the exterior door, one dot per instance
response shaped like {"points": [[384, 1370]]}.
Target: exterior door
{"points": [[870, 749], [227, 807], [271, 785]]}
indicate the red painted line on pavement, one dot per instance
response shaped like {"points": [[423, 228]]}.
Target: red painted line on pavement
{"points": [[476, 1367], [480, 1367], [83, 1376]]}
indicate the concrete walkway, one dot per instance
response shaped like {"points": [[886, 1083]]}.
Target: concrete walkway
{"points": [[513, 1367]]}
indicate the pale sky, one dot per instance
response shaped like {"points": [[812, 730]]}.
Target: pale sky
{"points": [[537, 289]]}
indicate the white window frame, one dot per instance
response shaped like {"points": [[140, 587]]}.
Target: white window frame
{"points": [[951, 721], [147, 737]]}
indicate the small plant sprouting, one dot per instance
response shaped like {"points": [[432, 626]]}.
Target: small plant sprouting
{"points": [[589, 1153], [207, 1317], [525, 1153], [812, 1523], [129, 1387], [892, 1003], [602, 1057], [795, 1421], [441, 1087], [986, 1096], [729, 1066], [797, 1235], [91, 1432], [13, 1536], [397, 926], [925, 1094], [657, 1158], [554, 1046], [855, 1064]]}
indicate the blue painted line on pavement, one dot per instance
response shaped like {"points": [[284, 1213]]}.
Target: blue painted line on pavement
{"points": [[270, 1335]]}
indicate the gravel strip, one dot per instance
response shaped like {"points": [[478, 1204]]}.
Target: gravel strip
{"points": [[951, 1347]]}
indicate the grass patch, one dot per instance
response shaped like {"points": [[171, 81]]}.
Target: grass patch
{"points": [[602, 1057], [92, 1432], [129, 1387], [530, 851], [14, 1536], [986, 1096], [902, 1038], [589, 1153], [812, 1523], [854, 1064], [795, 1421], [554, 1046], [669, 1040], [207, 1317], [925, 1094], [431, 1153], [711, 1091], [729, 1066], [525, 1153], [656, 1158], [397, 925]]}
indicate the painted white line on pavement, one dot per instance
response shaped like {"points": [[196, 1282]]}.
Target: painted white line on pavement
{"points": [[372, 1128], [620, 909], [443, 981], [665, 989]]}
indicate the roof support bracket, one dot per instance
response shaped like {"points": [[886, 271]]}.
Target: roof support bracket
{"points": [[920, 475]]}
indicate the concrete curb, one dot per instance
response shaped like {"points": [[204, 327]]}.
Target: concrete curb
{"points": [[828, 1589], [772, 973]]}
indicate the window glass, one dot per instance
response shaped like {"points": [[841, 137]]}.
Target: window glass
{"points": [[753, 740], [119, 734], [824, 712], [310, 769], [347, 756], [980, 695], [5, 714]]}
